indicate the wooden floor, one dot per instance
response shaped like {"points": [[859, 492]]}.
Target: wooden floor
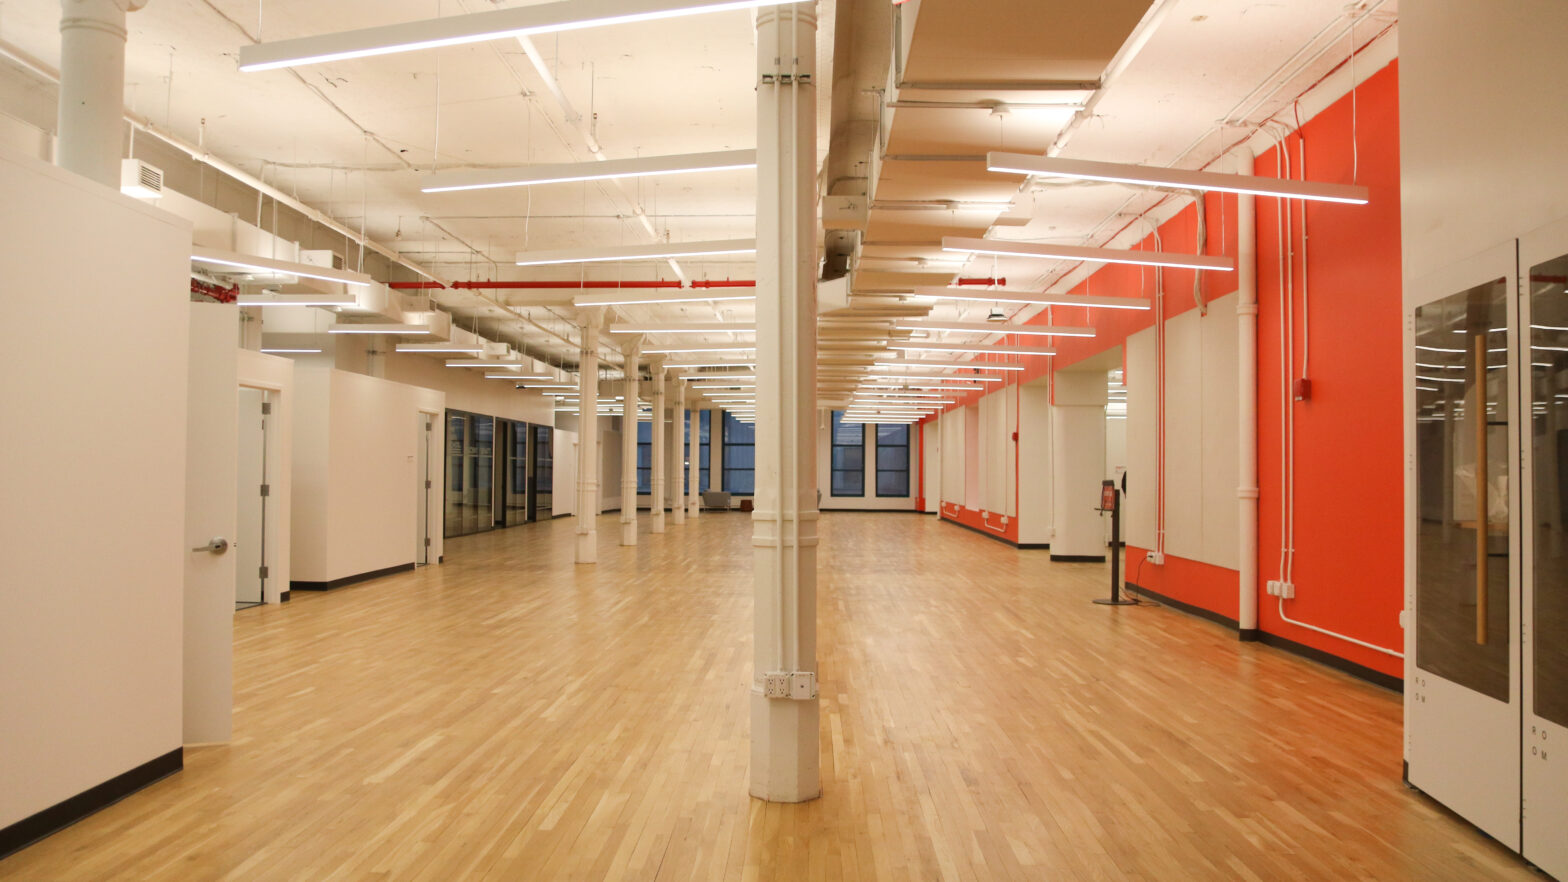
{"points": [[509, 715]]}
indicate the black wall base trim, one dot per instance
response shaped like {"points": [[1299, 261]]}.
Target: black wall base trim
{"points": [[1078, 558], [440, 558], [1360, 672], [1247, 635], [1034, 545], [1187, 608], [284, 597], [63, 814], [349, 580], [872, 510], [989, 535]]}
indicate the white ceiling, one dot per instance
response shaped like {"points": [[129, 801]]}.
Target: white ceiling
{"points": [[354, 138]]}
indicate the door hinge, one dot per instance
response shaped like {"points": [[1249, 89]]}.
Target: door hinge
{"points": [[264, 572], [266, 408], [427, 541], [266, 489], [427, 484]]}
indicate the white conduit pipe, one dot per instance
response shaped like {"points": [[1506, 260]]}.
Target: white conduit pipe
{"points": [[199, 154]]}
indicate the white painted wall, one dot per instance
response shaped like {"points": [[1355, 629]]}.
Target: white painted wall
{"points": [[565, 478], [355, 455], [1200, 437], [609, 464], [276, 375], [1034, 464], [931, 463], [973, 453], [953, 462], [212, 465], [92, 486]]}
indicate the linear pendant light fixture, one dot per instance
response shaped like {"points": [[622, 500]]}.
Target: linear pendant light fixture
{"points": [[656, 251], [636, 167], [455, 30], [929, 363], [1093, 255], [324, 301], [992, 328], [964, 347], [1153, 176], [270, 266], [634, 297], [1042, 298], [683, 328]]}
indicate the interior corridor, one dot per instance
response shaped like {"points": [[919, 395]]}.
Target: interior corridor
{"points": [[510, 715]]}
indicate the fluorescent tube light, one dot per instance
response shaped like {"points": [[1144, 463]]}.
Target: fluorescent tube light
{"points": [[656, 251], [684, 328], [953, 378], [454, 348], [629, 297], [289, 351], [378, 328], [931, 363], [513, 377], [269, 266], [700, 347], [455, 30], [1008, 295], [636, 167], [1152, 176], [960, 347], [992, 328], [1092, 255], [317, 300]]}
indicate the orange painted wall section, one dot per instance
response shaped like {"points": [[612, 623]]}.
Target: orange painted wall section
{"points": [[985, 522], [1349, 569]]}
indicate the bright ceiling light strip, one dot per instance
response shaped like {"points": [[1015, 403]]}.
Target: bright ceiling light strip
{"points": [[453, 348], [455, 30], [699, 347], [318, 300], [960, 347], [656, 251], [1152, 176], [628, 298], [288, 351], [378, 328], [513, 377], [684, 328], [1009, 295], [1092, 255], [993, 328], [933, 363], [880, 376], [275, 267], [636, 167]]}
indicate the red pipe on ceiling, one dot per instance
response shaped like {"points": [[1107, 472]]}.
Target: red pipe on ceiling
{"points": [[724, 283], [423, 286], [985, 282]]}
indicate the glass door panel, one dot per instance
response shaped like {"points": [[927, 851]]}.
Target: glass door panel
{"points": [[1462, 672], [1544, 731], [456, 472]]}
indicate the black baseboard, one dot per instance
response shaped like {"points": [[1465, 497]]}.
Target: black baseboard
{"points": [[871, 510], [440, 558], [1033, 545], [349, 580], [1187, 608], [986, 533], [1328, 659], [284, 597], [63, 814], [1078, 558]]}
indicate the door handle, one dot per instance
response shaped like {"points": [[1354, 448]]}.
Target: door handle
{"points": [[218, 545]]}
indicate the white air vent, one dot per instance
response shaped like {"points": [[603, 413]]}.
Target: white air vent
{"points": [[141, 180]]}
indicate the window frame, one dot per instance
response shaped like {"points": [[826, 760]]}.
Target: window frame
{"points": [[835, 423], [877, 470], [724, 465]]}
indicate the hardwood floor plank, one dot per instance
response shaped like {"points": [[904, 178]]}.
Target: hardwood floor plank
{"points": [[511, 715]]}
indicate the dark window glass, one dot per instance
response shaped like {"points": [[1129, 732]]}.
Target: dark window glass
{"points": [[645, 458], [740, 462], [848, 457], [893, 460]]}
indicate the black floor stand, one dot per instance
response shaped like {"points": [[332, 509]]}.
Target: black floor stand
{"points": [[1116, 599]]}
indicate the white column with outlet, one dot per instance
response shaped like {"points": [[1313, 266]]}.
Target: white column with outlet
{"points": [[629, 443], [656, 432], [784, 705], [678, 454], [1078, 465], [587, 510], [694, 456]]}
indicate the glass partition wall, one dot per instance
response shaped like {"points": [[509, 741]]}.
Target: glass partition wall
{"points": [[498, 472]]}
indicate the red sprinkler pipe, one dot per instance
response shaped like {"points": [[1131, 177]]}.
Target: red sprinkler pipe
{"points": [[529, 285], [724, 283], [985, 282]]}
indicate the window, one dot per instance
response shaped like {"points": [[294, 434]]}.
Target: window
{"points": [[849, 457], [740, 456], [645, 458], [704, 448], [893, 460]]}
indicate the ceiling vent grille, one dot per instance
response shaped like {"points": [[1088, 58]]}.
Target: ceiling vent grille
{"points": [[141, 180]]}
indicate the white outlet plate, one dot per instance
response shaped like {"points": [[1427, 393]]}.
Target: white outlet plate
{"points": [[775, 685], [1156, 557]]}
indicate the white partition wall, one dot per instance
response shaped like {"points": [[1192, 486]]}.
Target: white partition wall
{"points": [[275, 375], [953, 468], [92, 490], [1077, 463], [1034, 463], [931, 465]]}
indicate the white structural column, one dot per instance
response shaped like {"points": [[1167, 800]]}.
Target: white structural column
{"points": [[693, 499], [1247, 412], [629, 443], [92, 86], [656, 432], [1078, 465], [784, 707], [678, 453], [587, 511]]}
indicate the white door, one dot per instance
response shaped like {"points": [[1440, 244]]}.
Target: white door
{"points": [[1543, 262], [250, 533], [1462, 694], [210, 519]]}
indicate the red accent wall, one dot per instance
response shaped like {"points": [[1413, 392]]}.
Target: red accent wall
{"points": [[1349, 567], [990, 523], [1349, 540]]}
